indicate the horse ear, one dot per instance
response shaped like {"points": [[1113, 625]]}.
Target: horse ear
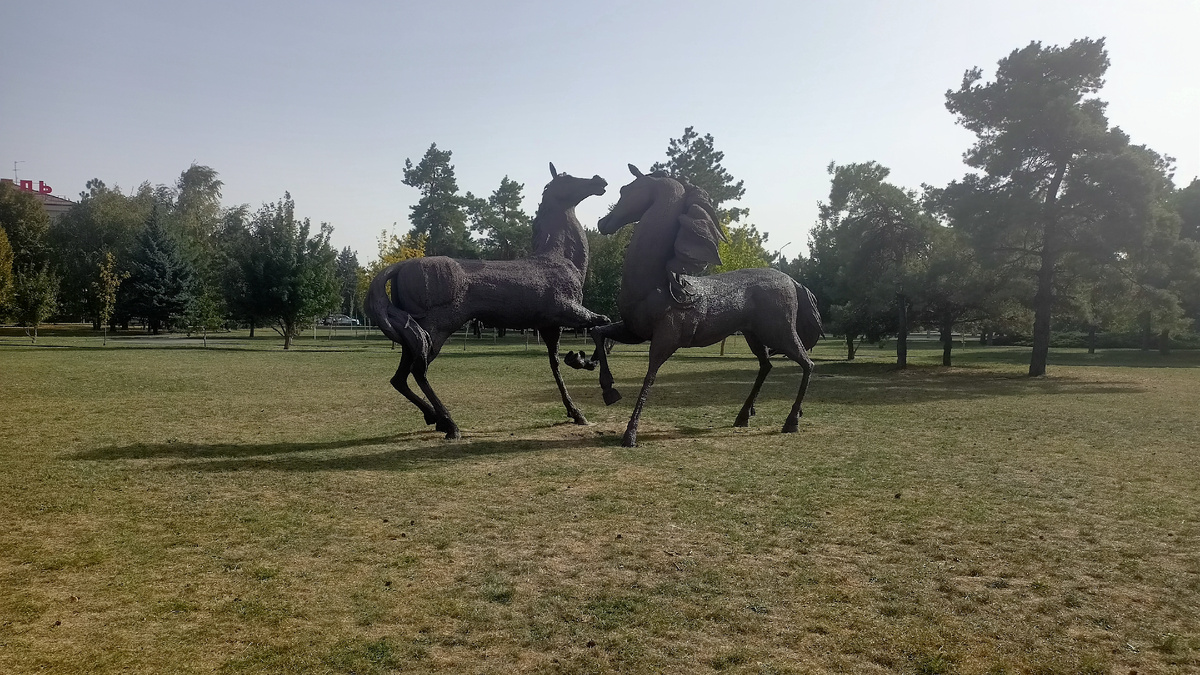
{"points": [[634, 170], [553, 171]]}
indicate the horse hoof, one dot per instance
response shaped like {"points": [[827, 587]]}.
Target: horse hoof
{"points": [[430, 418], [453, 435], [573, 360], [579, 419], [741, 421], [791, 427], [611, 396], [629, 441]]}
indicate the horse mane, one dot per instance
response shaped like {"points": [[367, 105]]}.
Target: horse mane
{"points": [[696, 241]]}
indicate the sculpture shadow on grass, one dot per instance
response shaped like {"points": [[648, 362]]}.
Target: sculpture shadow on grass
{"points": [[416, 450]]}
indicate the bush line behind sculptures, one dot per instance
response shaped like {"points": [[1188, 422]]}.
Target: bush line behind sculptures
{"points": [[676, 234], [432, 297]]}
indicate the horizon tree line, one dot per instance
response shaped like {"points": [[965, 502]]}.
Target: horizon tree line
{"points": [[1061, 221]]}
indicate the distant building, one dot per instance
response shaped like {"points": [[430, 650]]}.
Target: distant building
{"points": [[55, 206]]}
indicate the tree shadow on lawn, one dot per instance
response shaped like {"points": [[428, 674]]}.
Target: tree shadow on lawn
{"points": [[856, 384]]}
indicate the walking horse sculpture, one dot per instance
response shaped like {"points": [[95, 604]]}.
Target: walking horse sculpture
{"points": [[430, 298], [676, 234]]}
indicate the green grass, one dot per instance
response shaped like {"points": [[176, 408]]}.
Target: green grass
{"points": [[238, 509]]}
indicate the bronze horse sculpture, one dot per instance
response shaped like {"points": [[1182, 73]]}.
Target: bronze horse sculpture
{"points": [[433, 297], [676, 234]]}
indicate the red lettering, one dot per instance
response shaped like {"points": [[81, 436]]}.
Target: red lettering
{"points": [[27, 185], [43, 188]]}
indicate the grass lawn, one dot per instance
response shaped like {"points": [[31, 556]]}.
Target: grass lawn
{"points": [[168, 508]]}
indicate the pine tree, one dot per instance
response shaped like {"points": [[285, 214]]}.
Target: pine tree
{"points": [[161, 282], [441, 211]]}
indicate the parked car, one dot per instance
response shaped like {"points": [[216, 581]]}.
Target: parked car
{"points": [[339, 320]]}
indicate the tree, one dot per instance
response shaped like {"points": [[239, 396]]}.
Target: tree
{"points": [[1043, 143], [695, 159], [348, 272], [205, 313], [743, 249], [104, 220], [25, 224], [6, 274], [880, 239], [161, 282], [440, 213], [35, 297], [287, 276], [107, 287], [392, 249], [606, 258], [506, 228], [195, 217]]}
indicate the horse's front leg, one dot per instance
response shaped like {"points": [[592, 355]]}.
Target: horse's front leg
{"points": [[658, 356], [551, 336], [619, 333]]}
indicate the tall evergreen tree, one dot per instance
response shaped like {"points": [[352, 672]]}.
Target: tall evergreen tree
{"points": [[1052, 170], [506, 228], [441, 212], [161, 283], [695, 159]]}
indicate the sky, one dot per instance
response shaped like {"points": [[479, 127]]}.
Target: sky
{"points": [[327, 100]]}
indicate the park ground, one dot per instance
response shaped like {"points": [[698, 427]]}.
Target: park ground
{"points": [[242, 509]]}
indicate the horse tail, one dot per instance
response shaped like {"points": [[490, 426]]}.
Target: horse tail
{"points": [[397, 324], [808, 317]]}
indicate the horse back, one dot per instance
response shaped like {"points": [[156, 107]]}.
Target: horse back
{"points": [[424, 284]]}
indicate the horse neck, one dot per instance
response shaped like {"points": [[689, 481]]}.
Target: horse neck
{"points": [[558, 233], [652, 244]]}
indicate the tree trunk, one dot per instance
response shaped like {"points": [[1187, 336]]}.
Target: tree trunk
{"points": [[1043, 299], [723, 345], [902, 332], [1164, 342], [947, 341], [850, 346], [251, 328], [1091, 339]]}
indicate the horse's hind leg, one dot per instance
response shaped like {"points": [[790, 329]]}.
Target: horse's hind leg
{"points": [[400, 383], [444, 422], [800, 355], [551, 336], [764, 367]]}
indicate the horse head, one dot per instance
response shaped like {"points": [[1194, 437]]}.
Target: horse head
{"points": [[636, 198], [567, 191]]}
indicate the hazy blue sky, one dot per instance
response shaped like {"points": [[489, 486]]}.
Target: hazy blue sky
{"points": [[326, 100]]}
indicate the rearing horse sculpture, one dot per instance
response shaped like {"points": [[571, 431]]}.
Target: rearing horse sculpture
{"points": [[433, 297], [676, 234]]}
